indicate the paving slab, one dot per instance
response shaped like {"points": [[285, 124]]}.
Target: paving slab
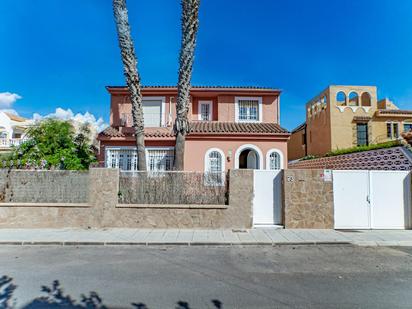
{"points": [[171, 236], [185, 236], [230, 237], [259, 236], [275, 236]]}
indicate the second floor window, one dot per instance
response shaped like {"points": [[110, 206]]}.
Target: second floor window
{"points": [[248, 109], [205, 110], [362, 134]]}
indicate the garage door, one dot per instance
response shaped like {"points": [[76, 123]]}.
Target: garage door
{"points": [[372, 199]]}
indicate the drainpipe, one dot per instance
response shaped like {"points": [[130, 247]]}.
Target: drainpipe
{"points": [[279, 109]]}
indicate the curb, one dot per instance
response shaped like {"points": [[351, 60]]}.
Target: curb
{"points": [[188, 244]]}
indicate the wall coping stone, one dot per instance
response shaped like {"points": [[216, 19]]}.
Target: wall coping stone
{"points": [[67, 205], [172, 206]]}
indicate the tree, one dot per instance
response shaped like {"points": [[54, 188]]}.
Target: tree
{"points": [[190, 25], [54, 143], [131, 74]]}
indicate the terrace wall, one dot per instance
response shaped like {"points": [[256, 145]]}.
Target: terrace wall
{"points": [[59, 199]]}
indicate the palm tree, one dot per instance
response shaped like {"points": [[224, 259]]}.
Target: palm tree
{"points": [[190, 25], [132, 76]]}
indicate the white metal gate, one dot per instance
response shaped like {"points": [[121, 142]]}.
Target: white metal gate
{"points": [[372, 199], [267, 201]]}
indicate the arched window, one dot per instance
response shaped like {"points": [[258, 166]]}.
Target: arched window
{"points": [[324, 102], [366, 99], [214, 167], [341, 99], [274, 159], [215, 162], [353, 99]]}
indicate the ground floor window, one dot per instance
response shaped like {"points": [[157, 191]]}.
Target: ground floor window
{"points": [[392, 130], [125, 158], [362, 134], [274, 160], [159, 159], [407, 127], [214, 167]]}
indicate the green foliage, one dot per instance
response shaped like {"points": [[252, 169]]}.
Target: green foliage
{"points": [[309, 157], [53, 144], [363, 148]]}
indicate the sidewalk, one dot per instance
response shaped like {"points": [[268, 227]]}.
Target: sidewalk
{"points": [[261, 236]]}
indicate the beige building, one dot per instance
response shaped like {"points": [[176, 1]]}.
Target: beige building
{"points": [[342, 117]]}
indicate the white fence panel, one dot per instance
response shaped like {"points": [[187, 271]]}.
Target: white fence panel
{"points": [[350, 194], [267, 201], [390, 199]]}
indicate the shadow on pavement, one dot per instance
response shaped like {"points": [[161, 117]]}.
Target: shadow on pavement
{"points": [[55, 298]]}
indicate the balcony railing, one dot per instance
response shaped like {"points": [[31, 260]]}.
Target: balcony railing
{"points": [[9, 142], [150, 120]]}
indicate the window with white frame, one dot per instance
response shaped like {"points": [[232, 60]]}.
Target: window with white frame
{"points": [[160, 159], [214, 169], [248, 109], [205, 110], [125, 158], [392, 130], [274, 161]]}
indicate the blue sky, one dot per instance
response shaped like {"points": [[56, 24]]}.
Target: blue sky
{"points": [[59, 53]]}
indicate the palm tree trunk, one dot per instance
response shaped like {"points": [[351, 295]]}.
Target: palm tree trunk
{"points": [[132, 76], [190, 25]]}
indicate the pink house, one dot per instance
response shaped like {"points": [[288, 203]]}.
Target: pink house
{"points": [[231, 127]]}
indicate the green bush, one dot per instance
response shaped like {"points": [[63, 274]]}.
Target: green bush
{"points": [[363, 148], [53, 144]]}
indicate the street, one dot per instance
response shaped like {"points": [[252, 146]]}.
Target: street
{"points": [[328, 276]]}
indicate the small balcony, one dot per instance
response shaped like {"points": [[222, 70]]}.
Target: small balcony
{"points": [[151, 120], [9, 142]]}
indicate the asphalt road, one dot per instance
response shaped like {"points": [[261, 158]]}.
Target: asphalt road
{"points": [[210, 277]]}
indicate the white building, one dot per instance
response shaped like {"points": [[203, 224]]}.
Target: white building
{"points": [[12, 130]]}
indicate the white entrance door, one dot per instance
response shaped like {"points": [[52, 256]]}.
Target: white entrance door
{"points": [[252, 160], [372, 199], [350, 194], [267, 201]]}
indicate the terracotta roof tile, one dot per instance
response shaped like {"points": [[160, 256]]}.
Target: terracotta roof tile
{"points": [[111, 132], [201, 87], [148, 132], [394, 112], [362, 118], [204, 127], [217, 127]]}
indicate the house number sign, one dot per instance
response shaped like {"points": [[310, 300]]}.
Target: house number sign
{"points": [[290, 178]]}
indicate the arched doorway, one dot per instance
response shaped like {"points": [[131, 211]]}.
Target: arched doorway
{"points": [[249, 159]]}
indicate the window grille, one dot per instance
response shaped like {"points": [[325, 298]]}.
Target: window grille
{"points": [[215, 174], [160, 160], [126, 159], [205, 111], [248, 110], [274, 161]]}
